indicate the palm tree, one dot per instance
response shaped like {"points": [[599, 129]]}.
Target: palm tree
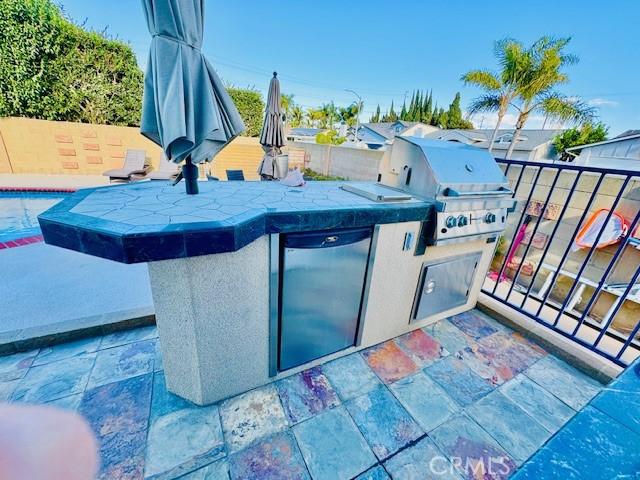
{"points": [[501, 88], [536, 90], [330, 114], [316, 117], [297, 116], [286, 104]]}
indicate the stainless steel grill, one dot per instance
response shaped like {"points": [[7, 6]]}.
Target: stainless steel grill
{"points": [[472, 194]]}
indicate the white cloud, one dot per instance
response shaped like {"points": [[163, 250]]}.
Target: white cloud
{"points": [[602, 102]]}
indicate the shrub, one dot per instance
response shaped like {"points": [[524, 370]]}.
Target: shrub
{"points": [[330, 137], [52, 69], [251, 108]]}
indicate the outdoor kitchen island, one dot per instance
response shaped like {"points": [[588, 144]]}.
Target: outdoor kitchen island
{"points": [[218, 264]]}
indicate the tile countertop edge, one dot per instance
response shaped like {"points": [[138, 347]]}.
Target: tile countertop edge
{"points": [[126, 244]]}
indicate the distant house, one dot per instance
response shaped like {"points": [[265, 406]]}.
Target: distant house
{"points": [[378, 134], [303, 134], [621, 152], [532, 145]]}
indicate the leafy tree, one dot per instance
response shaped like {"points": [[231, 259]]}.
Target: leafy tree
{"points": [[251, 108], [330, 137], [543, 62], [574, 137], [52, 69]]}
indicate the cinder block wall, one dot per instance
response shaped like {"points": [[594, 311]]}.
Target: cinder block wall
{"points": [[565, 234], [46, 147], [341, 161]]}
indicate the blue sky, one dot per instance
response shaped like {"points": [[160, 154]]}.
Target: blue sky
{"points": [[382, 49]]}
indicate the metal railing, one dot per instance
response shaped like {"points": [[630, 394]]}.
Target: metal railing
{"points": [[590, 295]]}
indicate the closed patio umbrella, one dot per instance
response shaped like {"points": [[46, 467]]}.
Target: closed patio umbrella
{"points": [[272, 134], [185, 107]]}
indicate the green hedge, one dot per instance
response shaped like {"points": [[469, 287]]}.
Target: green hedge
{"points": [[251, 108], [52, 69], [55, 70]]}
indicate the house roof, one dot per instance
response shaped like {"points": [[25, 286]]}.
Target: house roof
{"points": [[387, 130], [529, 139], [305, 132], [628, 133]]}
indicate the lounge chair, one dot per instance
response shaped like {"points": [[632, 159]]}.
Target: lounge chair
{"points": [[134, 164], [167, 170], [233, 175]]}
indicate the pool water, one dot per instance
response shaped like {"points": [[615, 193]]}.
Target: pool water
{"points": [[19, 212]]}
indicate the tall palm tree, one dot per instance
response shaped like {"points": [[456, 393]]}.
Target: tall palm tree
{"points": [[330, 114], [286, 104], [297, 116], [316, 117], [501, 88], [536, 92]]}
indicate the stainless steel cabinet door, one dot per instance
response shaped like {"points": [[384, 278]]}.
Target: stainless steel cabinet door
{"points": [[444, 284], [322, 284]]}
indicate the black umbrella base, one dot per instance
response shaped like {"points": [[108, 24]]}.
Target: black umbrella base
{"points": [[190, 175]]}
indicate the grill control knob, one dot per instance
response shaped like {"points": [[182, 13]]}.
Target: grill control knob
{"points": [[489, 218], [451, 222], [463, 221]]}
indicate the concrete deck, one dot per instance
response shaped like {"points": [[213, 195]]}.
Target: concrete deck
{"points": [[48, 290], [24, 180]]}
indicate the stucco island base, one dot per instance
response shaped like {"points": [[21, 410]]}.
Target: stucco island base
{"points": [[212, 313]]}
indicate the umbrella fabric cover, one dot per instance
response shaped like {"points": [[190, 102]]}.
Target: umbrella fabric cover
{"points": [[272, 134], [185, 108]]}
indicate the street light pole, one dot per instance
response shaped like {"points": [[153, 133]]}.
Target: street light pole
{"points": [[360, 107]]}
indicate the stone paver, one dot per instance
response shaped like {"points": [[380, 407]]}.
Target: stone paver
{"points": [[425, 400], [385, 424], [565, 382], [252, 415], [350, 376], [306, 394], [518, 433], [463, 385], [333, 447], [425, 405]]}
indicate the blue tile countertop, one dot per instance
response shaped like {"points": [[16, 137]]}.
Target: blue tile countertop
{"points": [[154, 221], [600, 442]]}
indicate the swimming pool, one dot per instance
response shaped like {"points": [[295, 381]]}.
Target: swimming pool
{"points": [[19, 212]]}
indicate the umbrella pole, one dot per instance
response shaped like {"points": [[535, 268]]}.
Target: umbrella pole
{"points": [[190, 175]]}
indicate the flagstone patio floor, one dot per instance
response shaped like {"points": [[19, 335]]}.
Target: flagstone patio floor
{"points": [[429, 404]]}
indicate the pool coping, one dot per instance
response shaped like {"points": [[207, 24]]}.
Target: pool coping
{"points": [[44, 336]]}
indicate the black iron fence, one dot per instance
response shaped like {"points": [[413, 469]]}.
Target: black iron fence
{"points": [[570, 257]]}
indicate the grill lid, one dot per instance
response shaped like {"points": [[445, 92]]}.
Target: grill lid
{"points": [[437, 168], [460, 168]]}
